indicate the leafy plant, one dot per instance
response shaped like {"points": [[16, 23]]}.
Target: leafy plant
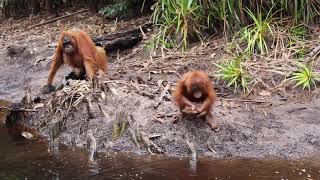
{"points": [[296, 35], [256, 35], [120, 124], [230, 13], [300, 52], [305, 77], [115, 10], [305, 10], [234, 74], [177, 20], [298, 31]]}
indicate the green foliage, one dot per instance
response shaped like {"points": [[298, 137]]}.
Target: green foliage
{"points": [[177, 20], [118, 130], [305, 77], [260, 31], [255, 36], [300, 52], [234, 74], [228, 12], [298, 31], [303, 10], [115, 10], [296, 35], [120, 125]]}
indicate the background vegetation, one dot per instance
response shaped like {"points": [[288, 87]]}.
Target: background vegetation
{"points": [[20, 8], [255, 30]]}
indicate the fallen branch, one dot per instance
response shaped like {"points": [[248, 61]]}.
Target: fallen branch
{"points": [[122, 40], [21, 109], [162, 115], [315, 51], [296, 109], [246, 100], [56, 19], [192, 148], [159, 120], [142, 93]]}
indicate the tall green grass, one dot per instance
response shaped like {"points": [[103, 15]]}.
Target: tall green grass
{"points": [[179, 21], [255, 36]]}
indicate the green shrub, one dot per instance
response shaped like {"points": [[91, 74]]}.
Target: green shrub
{"points": [[115, 10], [234, 74], [305, 77], [178, 21]]}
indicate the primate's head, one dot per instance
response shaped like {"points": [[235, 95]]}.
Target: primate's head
{"points": [[69, 44], [197, 84]]}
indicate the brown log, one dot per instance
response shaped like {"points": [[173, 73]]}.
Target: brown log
{"points": [[121, 40]]}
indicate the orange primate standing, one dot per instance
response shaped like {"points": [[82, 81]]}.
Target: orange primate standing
{"points": [[76, 49]]}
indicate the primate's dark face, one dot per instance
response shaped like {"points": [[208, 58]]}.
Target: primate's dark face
{"points": [[67, 45], [196, 91]]}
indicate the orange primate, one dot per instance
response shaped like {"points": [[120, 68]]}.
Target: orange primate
{"points": [[194, 94], [76, 49]]}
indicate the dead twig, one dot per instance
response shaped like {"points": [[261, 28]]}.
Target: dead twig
{"points": [[246, 100], [145, 139], [159, 120], [165, 90], [56, 19], [166, 115], [142, 93], [22, 109], [106, 115], [192, 148], [315, 51]]}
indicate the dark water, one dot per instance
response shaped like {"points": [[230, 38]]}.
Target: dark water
{"points": [[32, 160]]}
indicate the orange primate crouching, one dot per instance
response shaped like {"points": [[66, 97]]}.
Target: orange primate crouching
{"points": [[195, 95]]}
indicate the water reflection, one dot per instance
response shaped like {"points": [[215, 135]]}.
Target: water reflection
{"points": [[20, 160]]}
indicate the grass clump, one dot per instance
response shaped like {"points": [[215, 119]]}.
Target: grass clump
{"points": [[296, 34], [177, 20], [305, 77], [254, 37], [298, 31], [234, 74]]}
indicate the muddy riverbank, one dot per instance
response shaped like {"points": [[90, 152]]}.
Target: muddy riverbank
{"points": [[267, 125], [29, 160]]}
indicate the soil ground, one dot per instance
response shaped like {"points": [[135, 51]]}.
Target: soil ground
{"points": [[267, 125]]}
